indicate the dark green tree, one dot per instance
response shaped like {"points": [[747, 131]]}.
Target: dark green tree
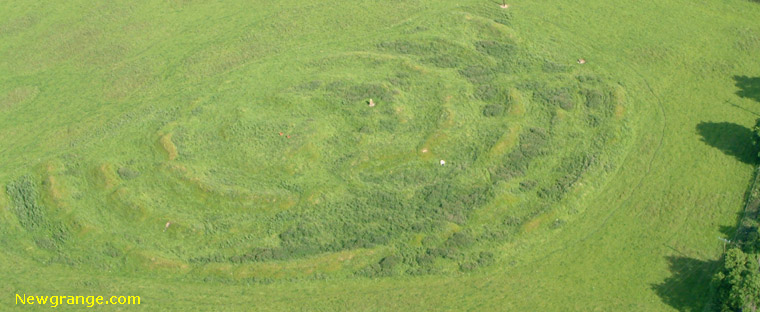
{"points": [[756, 136], [738, 282]]}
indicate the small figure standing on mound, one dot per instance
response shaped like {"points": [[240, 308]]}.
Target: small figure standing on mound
{"points": [[581, 61], [371, 103]]}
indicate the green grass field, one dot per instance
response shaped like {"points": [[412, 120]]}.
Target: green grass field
{"points": [[223, 156]]}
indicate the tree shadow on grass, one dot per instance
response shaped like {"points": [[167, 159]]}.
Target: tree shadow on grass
{"points": [[732, 139], [749, 87], [688, 287]]}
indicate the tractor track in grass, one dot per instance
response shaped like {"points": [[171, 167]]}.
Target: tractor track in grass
{"points": [[660, 142], [658, 148], [627, 200]]}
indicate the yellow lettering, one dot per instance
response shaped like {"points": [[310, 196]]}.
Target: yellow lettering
{"points": [[90, 301], [131, 299], [41, 299]]}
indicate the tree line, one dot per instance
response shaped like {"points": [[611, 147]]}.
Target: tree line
{"points": [[737, 283]]}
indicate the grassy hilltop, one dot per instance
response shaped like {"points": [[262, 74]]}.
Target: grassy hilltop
{"points": [[225, 155]]}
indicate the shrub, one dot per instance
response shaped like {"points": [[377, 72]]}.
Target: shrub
{"points": [[111, 250], [561, 97], [425, 259], [485, 258], [478, 74], [215, 258], [460, 239], [372, 270], [127, 173], [404, 47], [593, 120], [300, 239], [32, 215], [588, 78], [493, 110], [533, 143], [446, 253], [499, 50], [382, 268], [389, 262], [437, 52], [23, 194], [552, 67], [572, 169], [491, 234], [492, 93], [512, 221], [557, 223], [260, 254], [468, 266], [45, 243], [307, 86], [595, 99], [527, 185], [444, 61], [401, 80], [443, 200], [505, 20], [354, 243], [388, 125]]}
